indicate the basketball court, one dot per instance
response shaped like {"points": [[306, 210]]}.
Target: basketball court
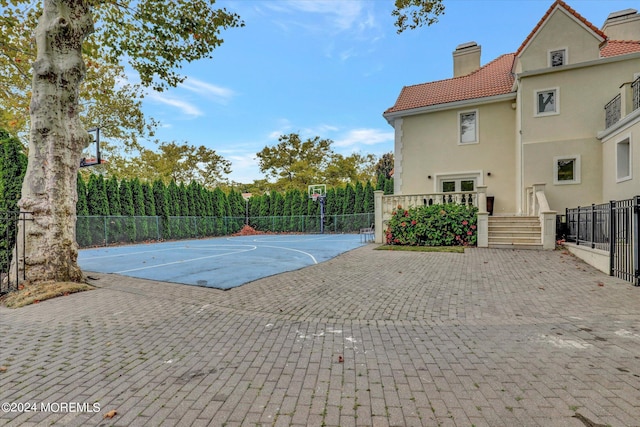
{"points": [[221, 263]]}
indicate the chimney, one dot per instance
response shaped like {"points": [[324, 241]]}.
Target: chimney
{"points": [[466, 59], [622, 25]]}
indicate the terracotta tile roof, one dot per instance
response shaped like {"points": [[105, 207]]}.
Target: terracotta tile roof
{"points": [[495, 78], [619, 47], [560, 3]]}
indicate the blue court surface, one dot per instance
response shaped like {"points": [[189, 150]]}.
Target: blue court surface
{"points": [[222, 263]]}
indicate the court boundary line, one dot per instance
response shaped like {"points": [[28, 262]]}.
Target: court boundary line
{"points": [[184, 261], [315, 261]]}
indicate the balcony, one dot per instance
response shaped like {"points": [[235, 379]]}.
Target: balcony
{"points": [[613, 111], [635, 89], [626, 102]]}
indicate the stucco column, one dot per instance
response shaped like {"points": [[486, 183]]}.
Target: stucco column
{"points": [[378, 231], [548, 222], [547, 217], [483, 218]]}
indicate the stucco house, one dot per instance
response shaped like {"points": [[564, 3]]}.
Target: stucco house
{"points": [[529, 123]]}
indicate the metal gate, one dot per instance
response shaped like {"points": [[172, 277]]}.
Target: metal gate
{"points": [[624, 241], [9, 250]]}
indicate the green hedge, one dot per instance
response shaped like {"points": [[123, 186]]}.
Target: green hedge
{"points": [[436, 225]]}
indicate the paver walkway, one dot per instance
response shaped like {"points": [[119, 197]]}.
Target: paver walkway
{"points": [[370, 338]]}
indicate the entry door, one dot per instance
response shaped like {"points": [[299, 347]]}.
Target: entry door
{"points": [[459, 185]]}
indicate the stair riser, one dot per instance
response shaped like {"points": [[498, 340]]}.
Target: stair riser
{"points": [[515, 232]]}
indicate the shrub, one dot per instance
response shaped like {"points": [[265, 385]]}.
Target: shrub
{"points": [[436, 225]]}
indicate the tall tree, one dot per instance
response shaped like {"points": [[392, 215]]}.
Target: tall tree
{"points": [[113, 196], [97, 196], [182, 163], [160, 199], [388, 186], [106, 99], [83, 234], [138, 197], [369, 198], [294, 162], [349, 201], [411, 14], [359, 198], [126, 199], [384, 166], [128, 209], [352, 168], [13, 163], [156, 37]]}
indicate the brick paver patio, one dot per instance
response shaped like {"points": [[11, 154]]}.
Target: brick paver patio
{"points": [[371, 338]]}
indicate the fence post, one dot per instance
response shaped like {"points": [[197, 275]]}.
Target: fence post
{"points": [[636, 241], [379, 232], [24, 246], [612, 236], [578, 227], [593, 225]]}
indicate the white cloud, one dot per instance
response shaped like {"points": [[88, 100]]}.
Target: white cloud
{"points": [[357, 137], [244, 167], [320, 130], [339, 15], [185, 108], [216, 93]]}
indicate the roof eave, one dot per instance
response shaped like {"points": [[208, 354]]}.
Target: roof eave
{"points": [[392, 116], [594, 62]]}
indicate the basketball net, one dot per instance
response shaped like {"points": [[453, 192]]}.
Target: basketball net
{"points": [[315, 196]]}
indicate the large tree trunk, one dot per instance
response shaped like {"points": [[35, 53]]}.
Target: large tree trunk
{"points": [[56, 141]]}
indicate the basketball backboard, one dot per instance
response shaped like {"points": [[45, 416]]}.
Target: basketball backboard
{"points": [[317, 190], [91, 154]]}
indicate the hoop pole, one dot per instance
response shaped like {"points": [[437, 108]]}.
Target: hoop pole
{"points": [[321, 214]]}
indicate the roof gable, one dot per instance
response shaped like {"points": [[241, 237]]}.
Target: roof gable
{"points": [[559, 5], [495, 78]]}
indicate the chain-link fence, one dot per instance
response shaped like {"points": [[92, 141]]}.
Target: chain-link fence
{"points": [[108, 230]]}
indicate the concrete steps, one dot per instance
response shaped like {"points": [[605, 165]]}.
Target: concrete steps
{"points": [[515, 232]]}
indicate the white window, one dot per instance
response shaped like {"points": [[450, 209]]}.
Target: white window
{"points": [[566, 170], [458, 182], [557, 57], [623, 160], [459, 185], [468, 127], [547, 102]]}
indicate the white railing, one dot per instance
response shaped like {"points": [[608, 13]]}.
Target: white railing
{"points": [[391, 202], [386, 205]]}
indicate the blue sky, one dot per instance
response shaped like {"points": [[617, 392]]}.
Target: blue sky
{"points": [[330, 68]]}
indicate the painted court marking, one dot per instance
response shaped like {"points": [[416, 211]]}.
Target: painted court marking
{"points": [[185, 260]]}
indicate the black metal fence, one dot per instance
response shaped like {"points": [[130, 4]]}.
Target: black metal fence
{"points": [[589, 225], [611, 227], [9, 250]]}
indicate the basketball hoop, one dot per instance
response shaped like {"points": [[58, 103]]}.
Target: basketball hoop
{"points": [[318, 193]]}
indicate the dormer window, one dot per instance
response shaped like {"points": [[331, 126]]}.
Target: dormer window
{"points": [[558, 57]]}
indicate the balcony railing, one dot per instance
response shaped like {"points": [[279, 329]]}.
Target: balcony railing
{"points": [[613, 111], [635, 89]]}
